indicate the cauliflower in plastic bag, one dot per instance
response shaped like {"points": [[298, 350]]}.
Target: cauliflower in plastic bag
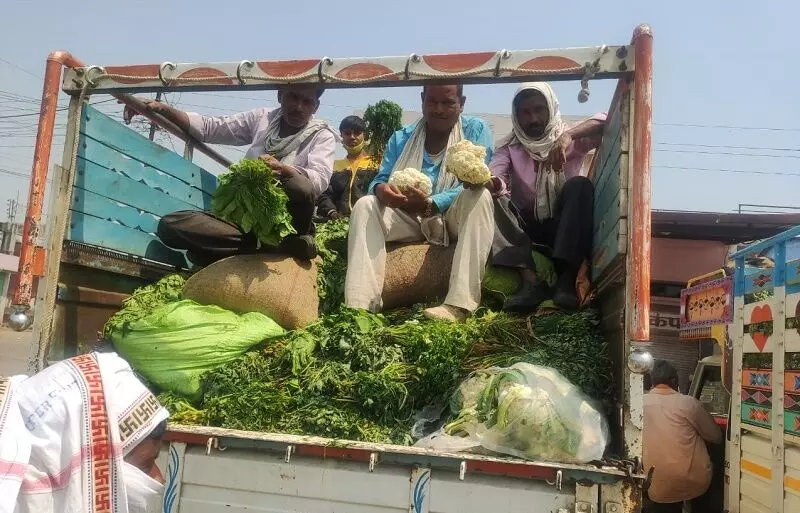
{"points": [[531, 412], [468, 162], [409, 177]]}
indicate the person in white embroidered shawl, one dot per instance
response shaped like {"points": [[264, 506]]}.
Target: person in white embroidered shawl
{"points": [[81, 436], [543, 196], [451, 212]]}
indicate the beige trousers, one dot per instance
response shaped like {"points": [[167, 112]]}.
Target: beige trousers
{"points": [[469, 220]]}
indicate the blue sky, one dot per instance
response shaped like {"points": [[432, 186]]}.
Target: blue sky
{"points": [[716, 64]]}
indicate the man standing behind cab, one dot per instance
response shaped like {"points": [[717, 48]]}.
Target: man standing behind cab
{"points": [[351, 175], [676, 429], [543, 199], [389, 215], [297, 146]]}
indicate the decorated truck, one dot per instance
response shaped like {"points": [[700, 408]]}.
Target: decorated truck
{"points": [[113, 185], [752, 312]]}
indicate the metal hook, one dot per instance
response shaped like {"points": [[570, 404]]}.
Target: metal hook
{"points": [[373, 459], [502, 55], [166, 64], [244, 64], [324, 61], [289, 452], [558, 482], [212, 443], [462, 470], [91, 81], [411, 58]]}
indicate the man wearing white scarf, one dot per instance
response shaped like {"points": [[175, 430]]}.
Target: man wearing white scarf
{"points": [[543, 196], [298, 147], [81, 436], [451, 212]]}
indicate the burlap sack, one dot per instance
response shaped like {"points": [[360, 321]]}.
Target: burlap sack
{"points": [[282, 288], [416, 273]]}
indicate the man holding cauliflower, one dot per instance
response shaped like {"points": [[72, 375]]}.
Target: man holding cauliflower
{"points": [[417, 195], [543, 198]]}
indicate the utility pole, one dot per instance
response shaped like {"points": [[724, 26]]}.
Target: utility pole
{"points": [[153, 125]]}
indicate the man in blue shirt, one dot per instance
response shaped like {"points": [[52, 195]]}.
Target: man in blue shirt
{"points": [[450, 212]]}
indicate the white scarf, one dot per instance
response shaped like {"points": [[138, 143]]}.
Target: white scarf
{"points": [[286, 148], [413, 155], [549, 182], [82, 416], [15, 446]]}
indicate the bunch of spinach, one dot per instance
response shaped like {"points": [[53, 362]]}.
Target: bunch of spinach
{"points": [[249, 196], [331, 240]]}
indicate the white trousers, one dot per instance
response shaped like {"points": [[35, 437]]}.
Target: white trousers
{"points": [[469, 220]]}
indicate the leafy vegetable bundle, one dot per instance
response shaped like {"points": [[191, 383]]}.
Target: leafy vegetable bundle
{"points": [[248, 196], [361, 376], [331, 240], [382, 119], [143, 302]]}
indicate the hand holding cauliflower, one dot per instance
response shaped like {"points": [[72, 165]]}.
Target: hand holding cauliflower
{"points": [[467, 161], [409, 178]]}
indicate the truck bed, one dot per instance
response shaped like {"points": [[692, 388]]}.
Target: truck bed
{"points": [[208, 468]]}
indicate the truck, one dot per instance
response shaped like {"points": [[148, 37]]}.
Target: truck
{"points": [[114, 184], [752, 313]]}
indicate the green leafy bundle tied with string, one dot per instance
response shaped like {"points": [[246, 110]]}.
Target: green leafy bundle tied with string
{"points": [[248, 196], [382, 119]]}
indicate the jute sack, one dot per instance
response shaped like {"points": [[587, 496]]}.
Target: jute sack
{"points": [[416, 273], [282, 288]]}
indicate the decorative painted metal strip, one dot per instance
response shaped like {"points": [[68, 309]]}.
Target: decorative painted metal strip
{"points": [[479, 67], [756, 397], [759, 280], [757, 379], [792, 422], [793, 272], [757, 415]]}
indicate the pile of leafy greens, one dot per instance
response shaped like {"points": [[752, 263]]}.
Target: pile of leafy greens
{"points": [[361, 376], [143, 301], [248, 196], [382, 119], [331, 240]]}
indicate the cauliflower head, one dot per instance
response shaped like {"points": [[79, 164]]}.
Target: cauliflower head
{"points": [[409, 177], [467, 161]]}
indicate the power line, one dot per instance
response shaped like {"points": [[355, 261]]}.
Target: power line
{"points": [[729, 153], [57, 110], [731, 127], [31, 73], [723, 170], [692, 145]]}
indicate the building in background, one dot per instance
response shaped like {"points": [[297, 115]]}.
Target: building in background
{"points": [[10, 245]]}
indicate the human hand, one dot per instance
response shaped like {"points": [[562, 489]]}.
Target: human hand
{"points": [[390, 196], [276, 165], [333, 215], [153, 106], [417, 201], [558, 154]]}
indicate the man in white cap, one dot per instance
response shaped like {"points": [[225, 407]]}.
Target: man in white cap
{"points": [[82, 436], [542, 197]]}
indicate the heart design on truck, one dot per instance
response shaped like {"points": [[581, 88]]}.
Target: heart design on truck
{"points": [[760, 314]]}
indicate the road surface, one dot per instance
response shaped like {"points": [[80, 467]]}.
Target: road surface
{"points": [[14, 347]]}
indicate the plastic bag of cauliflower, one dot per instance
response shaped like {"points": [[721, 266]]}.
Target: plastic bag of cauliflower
{"points": [[531, 412], [467, 161]]}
